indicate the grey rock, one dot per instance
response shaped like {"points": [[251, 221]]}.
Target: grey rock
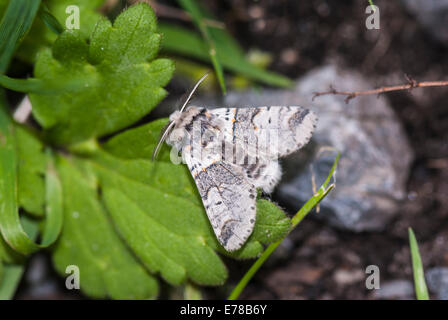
{"points": [[396, 289], [437, 280], [432, 15], [375, 155], [347, 277]]}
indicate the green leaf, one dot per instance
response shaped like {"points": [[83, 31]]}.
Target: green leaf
{"points": [[125, 81], [42, 34], [89, 241], [46, 87], [272, 225], [14, 25], [7, 254], [175, 254], [3, 6], [53, 204], [14, 268], [10, 225], [181, 41], [10, 280], [11, 269], [31, 171], [196, 13], [50, 20], [138, 143], [421, 290]]}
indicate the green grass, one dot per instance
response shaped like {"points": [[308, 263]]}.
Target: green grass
{"points": [[198, 18], [14, 25], [421, 291]]}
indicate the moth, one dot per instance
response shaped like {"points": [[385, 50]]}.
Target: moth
{"points": [[232, 152]]}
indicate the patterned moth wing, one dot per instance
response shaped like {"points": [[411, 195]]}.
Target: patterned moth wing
{"points": [[232, 151], [260, 136]]}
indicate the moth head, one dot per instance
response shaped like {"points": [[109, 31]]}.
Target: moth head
{"points": [[174, 118]]}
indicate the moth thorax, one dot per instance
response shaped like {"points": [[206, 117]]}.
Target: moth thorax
{"points": [[175, 116], [185, 117]]}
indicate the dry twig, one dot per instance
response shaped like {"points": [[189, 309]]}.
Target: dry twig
{"points": [[408, 86]]}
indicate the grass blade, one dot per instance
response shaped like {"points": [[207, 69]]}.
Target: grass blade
{"points": [[12, 273], [15, 24], [421, 290], [180, 41], [33, 85], [10, 225], [50, 20], [196, 14], [300, 215]]}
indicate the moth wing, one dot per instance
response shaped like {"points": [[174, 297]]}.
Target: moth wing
{"points": [[269, 132], [229, 200]]}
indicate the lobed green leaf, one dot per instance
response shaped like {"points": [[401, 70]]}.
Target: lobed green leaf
{"points": [[173, 246], [139, 142], [123, 81], [89, 241], [42, 33]]}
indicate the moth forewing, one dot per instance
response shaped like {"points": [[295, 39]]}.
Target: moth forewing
{"points": [[231, 152]]}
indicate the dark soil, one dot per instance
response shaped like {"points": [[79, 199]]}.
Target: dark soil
{"points": [[302, 35]]}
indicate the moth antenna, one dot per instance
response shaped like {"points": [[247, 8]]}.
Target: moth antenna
{"points": [[161, 140], [170, 126], [192, 91]]}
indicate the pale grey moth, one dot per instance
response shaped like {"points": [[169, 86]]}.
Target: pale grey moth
{"points": [[231, 152]]}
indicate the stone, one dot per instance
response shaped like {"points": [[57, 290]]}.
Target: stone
{"points": [[395, 289], [437, 281], [375, 153], [347, 277]]}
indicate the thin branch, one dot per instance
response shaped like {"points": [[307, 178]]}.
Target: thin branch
{"points": [[412, 84], [438, 163]]}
